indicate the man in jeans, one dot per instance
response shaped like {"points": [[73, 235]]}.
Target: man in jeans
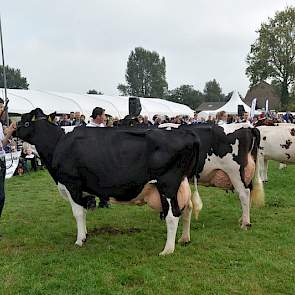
{"points": [[98, 120], [4, 139]]}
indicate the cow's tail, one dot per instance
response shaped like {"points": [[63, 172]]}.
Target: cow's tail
{"points": [[257, 191], [196, 201]]}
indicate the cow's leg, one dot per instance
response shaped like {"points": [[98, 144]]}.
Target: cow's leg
{"points": [[196, 200], [80, 216], [244, 195], [261, 166], [186, 224], [78, 211], [172, 224], [84, 217], [265, 164]]}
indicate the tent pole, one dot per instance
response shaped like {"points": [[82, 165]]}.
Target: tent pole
{"points": [[4, 73]]}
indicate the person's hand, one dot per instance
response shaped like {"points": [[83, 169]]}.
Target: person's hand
{"points": [[12, 127]]}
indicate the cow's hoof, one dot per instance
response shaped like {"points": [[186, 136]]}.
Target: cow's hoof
{"points": [[166, 252], [79, 243], [246, 226], [184, 241]]}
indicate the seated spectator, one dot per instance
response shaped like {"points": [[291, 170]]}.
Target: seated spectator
{"points": [[29, 156]]}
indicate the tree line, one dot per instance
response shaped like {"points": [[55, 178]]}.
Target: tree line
{"points": [[271, 58]]}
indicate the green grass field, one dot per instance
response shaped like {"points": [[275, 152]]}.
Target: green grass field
{"points": [[38, 256]]}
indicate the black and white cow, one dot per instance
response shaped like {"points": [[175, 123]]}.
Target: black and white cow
{"points": [[278, 144], [120, 164], [228, 159]]}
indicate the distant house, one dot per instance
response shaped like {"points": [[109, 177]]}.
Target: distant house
{"points": [[210, 106], [262, 91]]}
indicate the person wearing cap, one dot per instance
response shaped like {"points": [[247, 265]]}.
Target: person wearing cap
{"points": [[4, 140], [98, 120]]}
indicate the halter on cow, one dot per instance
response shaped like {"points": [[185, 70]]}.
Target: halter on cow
{"points": [[118, 163]]}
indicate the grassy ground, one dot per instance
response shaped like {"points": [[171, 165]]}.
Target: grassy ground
{"points": [[38, 256]]}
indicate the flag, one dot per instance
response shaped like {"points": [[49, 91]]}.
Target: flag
{"points": [[266, 105], [253, 106]]}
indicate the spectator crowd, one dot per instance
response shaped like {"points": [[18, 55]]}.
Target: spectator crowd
{"points": [[30, 161]]}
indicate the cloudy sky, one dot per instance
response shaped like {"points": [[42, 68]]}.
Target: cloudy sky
{"points": [[64, 45]]}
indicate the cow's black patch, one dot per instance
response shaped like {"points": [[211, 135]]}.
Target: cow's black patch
{"points": [[292, 132], [261, 148], [264, 138], [287, 144], [288, 156]]}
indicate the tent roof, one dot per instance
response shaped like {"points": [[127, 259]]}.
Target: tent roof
{"points": [[231, 107], [23, 101]]}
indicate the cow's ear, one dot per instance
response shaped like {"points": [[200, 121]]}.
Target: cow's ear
{"points": [[33, 115], [51, 117], [39, 113]]}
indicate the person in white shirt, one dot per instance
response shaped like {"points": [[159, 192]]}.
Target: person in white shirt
{"points": [[4, 139], [98, 120]]}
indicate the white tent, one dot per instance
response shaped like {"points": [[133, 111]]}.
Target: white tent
{"points": [[23, 101], [231, 107]]}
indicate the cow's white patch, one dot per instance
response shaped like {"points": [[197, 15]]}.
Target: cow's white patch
{"points": [[153, 181], [230, 128], [172, 224], [235, 148], [168, 126], [68, 129], [226, 163]]}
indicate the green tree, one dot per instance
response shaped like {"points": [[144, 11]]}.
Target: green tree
{"points": [[213, 91], [145, 74], [124, 89], [272, 56], [186, 94], [14, 78]]}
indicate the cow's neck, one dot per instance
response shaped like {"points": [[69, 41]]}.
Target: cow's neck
{"points": [[45, 139]]}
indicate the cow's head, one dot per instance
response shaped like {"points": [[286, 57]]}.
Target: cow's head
{"points": [[26, 126]]}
